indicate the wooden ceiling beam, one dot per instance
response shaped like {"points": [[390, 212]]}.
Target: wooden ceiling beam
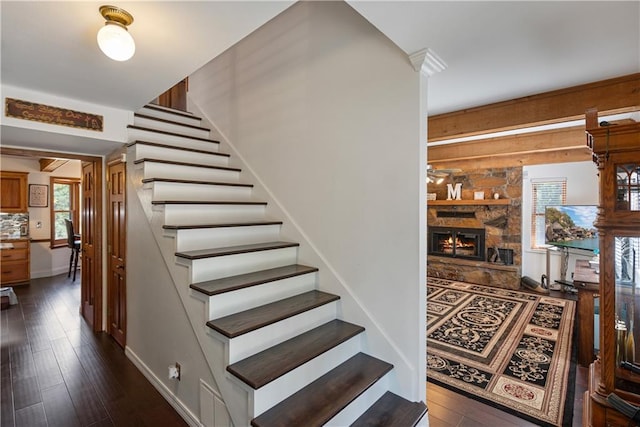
{"points": [[513, 160], [49, 165], [612, 96], [551, 140]]}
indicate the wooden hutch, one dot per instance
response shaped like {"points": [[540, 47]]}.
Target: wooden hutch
{"points": [[616, 152]]}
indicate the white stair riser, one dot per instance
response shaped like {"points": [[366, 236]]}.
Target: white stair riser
{"points": [[254, 342], [167, 170], [244, 299], [166, 115], [142, 151], [170, 127], [356, 408], [232, 265], [210, 214], [183, 191], [276, 391], [178, 141], [204, 238]]}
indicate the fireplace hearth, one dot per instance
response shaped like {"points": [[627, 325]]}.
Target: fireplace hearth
{"points": [[456, 242]]}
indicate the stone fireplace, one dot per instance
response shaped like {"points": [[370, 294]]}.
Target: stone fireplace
{"points": [[497, 260]]}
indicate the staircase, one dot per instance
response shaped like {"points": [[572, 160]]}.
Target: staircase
{"points": [[279, 353]]}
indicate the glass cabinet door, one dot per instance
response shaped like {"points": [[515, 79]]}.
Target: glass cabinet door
{"points": [[627, 325], [628, 187]]}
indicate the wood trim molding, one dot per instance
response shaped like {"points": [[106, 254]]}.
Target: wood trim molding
{"points": [[612, 96]]}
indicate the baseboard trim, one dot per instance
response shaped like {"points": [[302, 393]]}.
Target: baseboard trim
{"points": [[189, 417]]}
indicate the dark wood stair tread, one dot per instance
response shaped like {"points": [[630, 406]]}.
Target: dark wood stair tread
{"points": [[221, 225], [249, 320], [227, 284], [173, 122], [196, 181], [392, 410], [234, 250], [197, 165], [321, 400], [173, 147], [180, 135], [272, 363]]}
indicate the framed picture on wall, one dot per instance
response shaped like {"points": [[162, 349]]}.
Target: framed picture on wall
{"points": [[38, 195]]}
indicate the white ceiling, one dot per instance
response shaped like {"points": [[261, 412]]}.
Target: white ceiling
{"points": [[493, 50]]}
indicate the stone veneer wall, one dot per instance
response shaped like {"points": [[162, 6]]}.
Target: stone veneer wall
{"points": [[507, 182]]}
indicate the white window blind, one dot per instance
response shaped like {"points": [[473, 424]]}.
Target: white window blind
{"points": [[544, 192]]}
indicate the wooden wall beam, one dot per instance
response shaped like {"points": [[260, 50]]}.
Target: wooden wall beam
{"points": [[550, 146], [612, 96]]}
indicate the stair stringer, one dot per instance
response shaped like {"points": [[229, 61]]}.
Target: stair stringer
{"points": [[236, 398], [378, 343], [239, 402]]}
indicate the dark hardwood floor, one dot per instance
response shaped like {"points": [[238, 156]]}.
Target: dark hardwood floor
{"points": [[57, 372]]}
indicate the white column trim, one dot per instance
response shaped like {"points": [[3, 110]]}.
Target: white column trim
{"points": [[427, 62]]}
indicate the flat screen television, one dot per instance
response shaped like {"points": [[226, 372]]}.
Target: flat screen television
{"points": [[571, 226]]}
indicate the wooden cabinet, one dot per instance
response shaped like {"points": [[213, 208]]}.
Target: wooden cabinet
{"points": [[15, 265], [13, 192], [616, 152], [586, 281]]}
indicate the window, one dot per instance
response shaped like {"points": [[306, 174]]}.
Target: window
{"points": [[65, 204], [544, 192]]}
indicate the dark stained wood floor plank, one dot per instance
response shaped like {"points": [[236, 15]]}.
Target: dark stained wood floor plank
{"points": [[31, 416], [59, 407], [47, 370], [73, 376]]}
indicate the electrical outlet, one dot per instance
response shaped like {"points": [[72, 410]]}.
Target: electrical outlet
{"points": [[174, 371]]}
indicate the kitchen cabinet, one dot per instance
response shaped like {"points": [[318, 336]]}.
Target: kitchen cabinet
{"points": [[13, 192], [15, 262]]}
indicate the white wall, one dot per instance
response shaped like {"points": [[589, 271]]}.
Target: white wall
{"points": [[45, 262], [324, 110], [582, 189]]}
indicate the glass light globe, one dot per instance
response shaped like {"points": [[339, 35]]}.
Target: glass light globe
{"points": [[116, 42]]}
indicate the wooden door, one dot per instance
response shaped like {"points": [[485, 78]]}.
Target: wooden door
{"points": [[176, 97], [116, 252], [91, 288]]}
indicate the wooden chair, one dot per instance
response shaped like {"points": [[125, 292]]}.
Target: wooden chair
{"points": [[73, 242]]}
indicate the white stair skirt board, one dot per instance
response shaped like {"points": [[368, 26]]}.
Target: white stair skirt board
{"points": [[166, 170], [245, 345], [176, 214], [232, 265], [227, 303], [170, 127], [276, 391], [178, 141], [203, 238], [185, 191], [142, 151]]}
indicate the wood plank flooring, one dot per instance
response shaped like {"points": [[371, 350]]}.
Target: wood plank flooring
{"points": [[57, 372]]}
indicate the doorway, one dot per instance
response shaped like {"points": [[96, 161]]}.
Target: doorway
{"points": [[91, 211]]}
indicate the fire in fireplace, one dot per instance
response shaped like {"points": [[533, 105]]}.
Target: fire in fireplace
{"points": [[456, 242]]}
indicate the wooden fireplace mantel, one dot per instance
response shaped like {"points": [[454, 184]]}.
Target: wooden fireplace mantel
{"points": [[486, 202]]}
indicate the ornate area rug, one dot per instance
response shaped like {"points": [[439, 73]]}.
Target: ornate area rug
{"points": [[509, 349]]}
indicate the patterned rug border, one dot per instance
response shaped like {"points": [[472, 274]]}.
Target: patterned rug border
{"points": [[570, 373]]}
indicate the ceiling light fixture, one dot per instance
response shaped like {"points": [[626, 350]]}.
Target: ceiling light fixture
{"points": [[114, 39]]}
